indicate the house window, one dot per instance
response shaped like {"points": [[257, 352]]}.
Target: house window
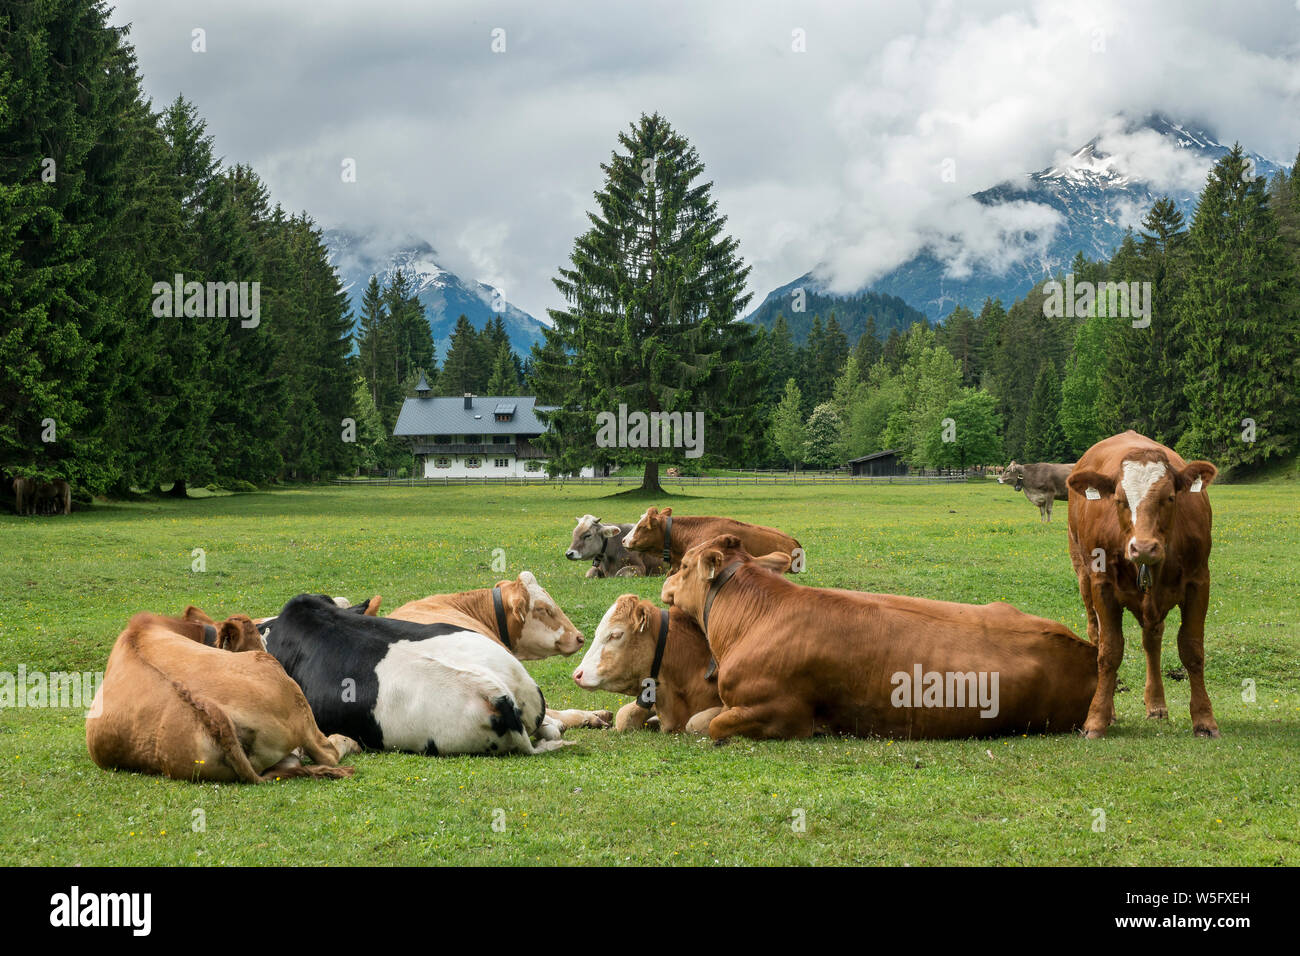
{"points": [[501, 439], [533, 465], [473, 439], [473, 462], [442, 439], [443, 462], [502, 462]]}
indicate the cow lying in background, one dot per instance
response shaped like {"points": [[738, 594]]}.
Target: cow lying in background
{"points": [[1140, 534], [658, 531], [534, 628], [198, 701], [1042, 484], [602, 545], [621, 658], [397, 685], [795, 660]]}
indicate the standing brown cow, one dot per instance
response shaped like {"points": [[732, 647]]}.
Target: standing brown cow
{"points": [[1140, 524]]}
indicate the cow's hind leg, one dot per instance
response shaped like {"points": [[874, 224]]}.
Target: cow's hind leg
{"points": [[594, 719], [1154, 695], [784, 719], [1191, 650]]}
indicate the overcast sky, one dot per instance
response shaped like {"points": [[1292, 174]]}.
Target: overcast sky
{"points": [[834, 154]]}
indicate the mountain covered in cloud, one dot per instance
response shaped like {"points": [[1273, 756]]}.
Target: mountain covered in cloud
{"points": [[1093, 195], [445, 295]]}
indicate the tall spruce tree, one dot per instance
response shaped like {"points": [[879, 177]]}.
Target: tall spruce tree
{"points": [[652, 293], [1044, 437], [1238, 326]]}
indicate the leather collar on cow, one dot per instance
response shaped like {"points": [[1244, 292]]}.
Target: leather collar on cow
{"points": [[1020, 482], [210, 636], [660, 644], [718, 583], [1144, 577], [503, 629], [604, 543], [668, 540]]}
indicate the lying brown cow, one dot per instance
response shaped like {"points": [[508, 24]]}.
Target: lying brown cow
{"points": [[1140, 529], [795, 660], [198, 701], [621, 658], [534, 628], [659, 531], [1042, 483]]}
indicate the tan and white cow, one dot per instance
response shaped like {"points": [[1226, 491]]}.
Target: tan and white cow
{"points": [[534, 628], [193, 700]]}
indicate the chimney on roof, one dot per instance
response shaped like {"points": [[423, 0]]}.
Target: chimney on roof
{"points": [[469, 400]]}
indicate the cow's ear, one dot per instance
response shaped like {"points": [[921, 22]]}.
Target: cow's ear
{"points": [[710, 563], [517, 595], [729, 541], [666, 512], [229, 635], [777, 561], [1195, 476], [1083, 481], [196, 616], [611, 531], [641, 616], [372, 606]]}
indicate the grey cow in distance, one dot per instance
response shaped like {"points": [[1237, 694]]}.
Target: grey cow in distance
{"points": [[1042, 483], [602, 545]]}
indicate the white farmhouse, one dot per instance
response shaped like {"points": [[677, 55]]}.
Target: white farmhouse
{"points": [[477, 436]]}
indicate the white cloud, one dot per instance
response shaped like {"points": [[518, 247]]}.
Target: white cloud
{"points": [[834, 155]]}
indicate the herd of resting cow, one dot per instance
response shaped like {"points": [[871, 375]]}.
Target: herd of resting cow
{"points": [[740, 649]]}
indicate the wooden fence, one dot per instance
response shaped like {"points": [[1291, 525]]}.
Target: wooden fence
{"points": [[757, 478]]}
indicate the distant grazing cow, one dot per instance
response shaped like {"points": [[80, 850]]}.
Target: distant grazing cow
{"points": [[24, 496], [1140, 534], [602, 544], [531, 627], [659, 532], [795, 660], [397, 685], [1042, 484], [622, 657], [177, 701], [53, 497]]}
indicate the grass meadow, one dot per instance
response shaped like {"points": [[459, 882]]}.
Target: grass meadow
{"points": [[69, 584]]}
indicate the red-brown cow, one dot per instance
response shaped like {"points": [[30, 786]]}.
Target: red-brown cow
{"points": [[660, 532], [1139, 532]]}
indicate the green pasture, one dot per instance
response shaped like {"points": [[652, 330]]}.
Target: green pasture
{"points": [[69, 584]]}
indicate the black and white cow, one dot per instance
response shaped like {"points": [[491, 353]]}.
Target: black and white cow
{"points": [[397, 685]]}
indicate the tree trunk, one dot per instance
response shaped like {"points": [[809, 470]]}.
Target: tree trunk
{"points": [[178, 489], [650, 480]]}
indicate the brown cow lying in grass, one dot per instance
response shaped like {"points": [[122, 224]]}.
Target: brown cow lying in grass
{"points": [[195, 700], [621, 657], [683, 533], [795, 660], [535, 628]]}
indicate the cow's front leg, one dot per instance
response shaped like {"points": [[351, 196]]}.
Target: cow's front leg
{"points": [[1110, 651], [1154, 695], [1191, 650], [783, 719], [699, 724], [631, 716], [568, 719]]}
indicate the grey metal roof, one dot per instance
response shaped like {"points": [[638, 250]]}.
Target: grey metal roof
{"points": [[878, 454], [449, 416]]}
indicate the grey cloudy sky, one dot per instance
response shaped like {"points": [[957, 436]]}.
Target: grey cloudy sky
{"points": [[832, 155]]}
